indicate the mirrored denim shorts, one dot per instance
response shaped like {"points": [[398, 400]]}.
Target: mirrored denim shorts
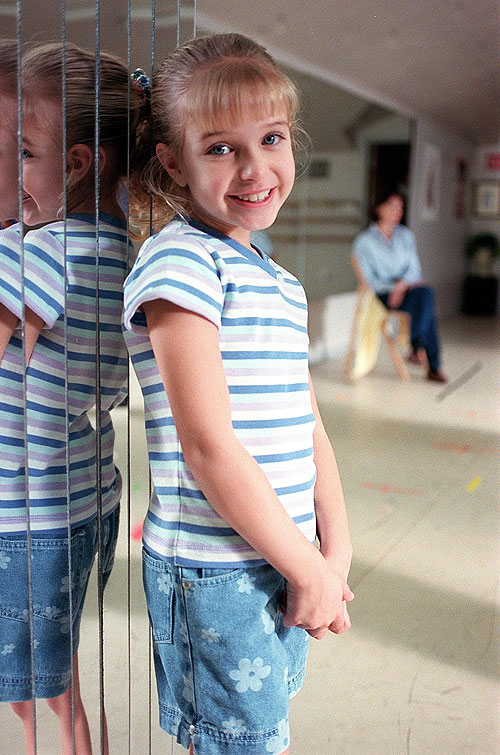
{"points": [[53, 650], [225, 664]]}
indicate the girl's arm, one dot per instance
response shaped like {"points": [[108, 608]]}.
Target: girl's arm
{"points": [[32, 328], [187, 351], [331, 516], [8, 324]]}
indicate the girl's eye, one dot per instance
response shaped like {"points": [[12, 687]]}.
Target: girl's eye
{"points": [[26, 154], [272, 139], [219, 149]]}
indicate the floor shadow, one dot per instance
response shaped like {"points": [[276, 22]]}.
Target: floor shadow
{"points": [[441, 624]]}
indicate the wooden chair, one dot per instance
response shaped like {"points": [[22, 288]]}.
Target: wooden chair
{"points": [[371, 321]]}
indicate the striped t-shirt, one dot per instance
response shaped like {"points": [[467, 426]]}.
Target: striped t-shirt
{"points": [[260, 311], [51, 423]]}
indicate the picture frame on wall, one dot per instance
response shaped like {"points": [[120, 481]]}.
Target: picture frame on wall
{"points": [[486, 199], [431, 187]]}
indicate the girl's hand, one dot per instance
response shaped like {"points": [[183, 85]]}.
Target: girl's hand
{"points": [[319, 604]]}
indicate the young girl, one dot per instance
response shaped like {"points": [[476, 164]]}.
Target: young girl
{"points": [[244, 476], [73, 278]]}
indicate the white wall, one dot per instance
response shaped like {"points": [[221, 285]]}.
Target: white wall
{"points": [[440, 242], [480, 171]]}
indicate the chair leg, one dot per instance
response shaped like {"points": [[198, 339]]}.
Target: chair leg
{"points": [[351, 349], [395, 355]]}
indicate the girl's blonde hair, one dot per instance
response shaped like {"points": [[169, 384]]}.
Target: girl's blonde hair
{"points": [[8, 82], [42, 77], [212, 80]]}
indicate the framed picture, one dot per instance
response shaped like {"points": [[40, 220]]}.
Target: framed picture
{"points": [[431, 183], [486, 199]]}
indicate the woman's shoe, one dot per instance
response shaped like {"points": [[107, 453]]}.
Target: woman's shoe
{"points": [[437, 376], [417, 357]]}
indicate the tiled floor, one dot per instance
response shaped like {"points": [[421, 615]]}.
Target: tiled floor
{"points": [[418, 673]]}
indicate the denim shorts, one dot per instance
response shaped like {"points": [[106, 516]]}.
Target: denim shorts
{"points": [[225, 664], [52, 653]]}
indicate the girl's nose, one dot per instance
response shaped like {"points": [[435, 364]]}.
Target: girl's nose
{"points": [[251, 167]]}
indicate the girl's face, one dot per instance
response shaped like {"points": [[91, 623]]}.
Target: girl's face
{"points": [[237, 177], [42, 166], [9, 178]]}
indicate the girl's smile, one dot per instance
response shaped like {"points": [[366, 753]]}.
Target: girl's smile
{"points": [[237, 178], [42, 166]]}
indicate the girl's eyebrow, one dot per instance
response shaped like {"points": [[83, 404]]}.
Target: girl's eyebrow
{"points": [[272, 124]]}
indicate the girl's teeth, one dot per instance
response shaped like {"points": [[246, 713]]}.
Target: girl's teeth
{"points": [[255, 197]]}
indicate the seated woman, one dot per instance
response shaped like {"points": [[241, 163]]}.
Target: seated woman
{"points": [[387, 254]]}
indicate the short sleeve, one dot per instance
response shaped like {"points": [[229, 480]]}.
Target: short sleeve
{"points": [[44, 276], [178, 268], [10, 271]]}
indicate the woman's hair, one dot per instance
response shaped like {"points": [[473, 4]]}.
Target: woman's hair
{"points": [[43, 68], [212, 80]]}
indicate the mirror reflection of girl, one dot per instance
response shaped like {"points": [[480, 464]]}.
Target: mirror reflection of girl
{"points": [[387, 254], [244, 475], [64, 282], [10, 241]]}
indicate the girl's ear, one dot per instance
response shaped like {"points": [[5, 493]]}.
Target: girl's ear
{"points": [[170, 162], [80, 158]]}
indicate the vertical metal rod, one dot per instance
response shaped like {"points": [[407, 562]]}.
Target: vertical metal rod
{"points": [[66, 376], [150, 669], [23, 335], [97, 187], [129, 434]]}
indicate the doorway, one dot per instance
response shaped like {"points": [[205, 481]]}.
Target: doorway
{"points": [[388, 171]]}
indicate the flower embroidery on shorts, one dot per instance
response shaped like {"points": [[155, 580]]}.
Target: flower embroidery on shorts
{"points": [[163, 583], [188, 691], [65, 585], [65, 625], [4, 560], [249, 674], [246, 583], [7, 649], [282, 740], [234, 726], [210, 635], [268, 618], [50, 612]]}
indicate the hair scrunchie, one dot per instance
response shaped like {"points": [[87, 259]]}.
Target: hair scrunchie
{"points": [[143, 84]]}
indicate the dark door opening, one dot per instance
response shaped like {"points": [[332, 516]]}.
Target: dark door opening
{"points": [[389, 169]]}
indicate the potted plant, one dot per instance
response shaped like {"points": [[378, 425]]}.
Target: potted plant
{"points": [[482, 249]]}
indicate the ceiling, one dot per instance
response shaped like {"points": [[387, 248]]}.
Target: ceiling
{"points": [[435, 58]]}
